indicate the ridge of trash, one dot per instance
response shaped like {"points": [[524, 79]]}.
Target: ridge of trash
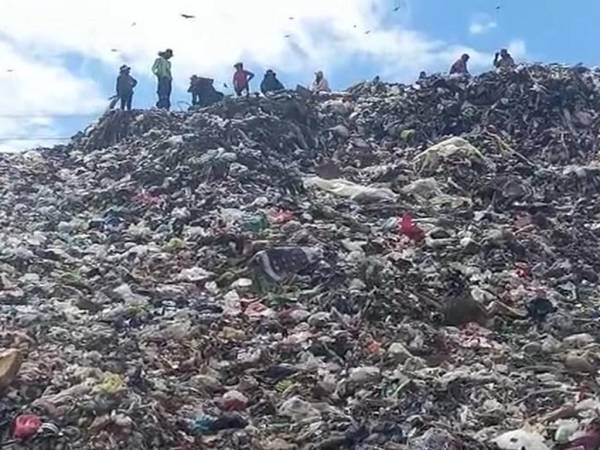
{"points": [[390, 267]]}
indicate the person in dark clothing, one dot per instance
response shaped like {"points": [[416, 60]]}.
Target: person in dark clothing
{"points": [[162, 70], [165, 87], [504, 60], [210, 95], [460, 66], [203, 92], [125, 85], [194, 89], [241, 80], [270, 83]]}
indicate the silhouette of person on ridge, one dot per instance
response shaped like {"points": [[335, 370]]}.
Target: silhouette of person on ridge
{"points": [[162, 70], [125, 85]]}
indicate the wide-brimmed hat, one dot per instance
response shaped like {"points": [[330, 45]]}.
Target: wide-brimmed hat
{"points": [[270, 72], [124, 68]]}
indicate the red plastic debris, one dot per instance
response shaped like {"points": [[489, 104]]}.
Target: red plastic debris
{"points": [[282, 216], [522, 270], [410, 229], [234, 401], [253, 308], [374, 347], [146, 199], [25, 426]]}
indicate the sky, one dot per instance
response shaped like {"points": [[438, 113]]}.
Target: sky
{"points": [[59, 58]]}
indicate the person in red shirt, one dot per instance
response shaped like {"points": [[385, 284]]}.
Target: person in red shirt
{"points": [[241, 80]]}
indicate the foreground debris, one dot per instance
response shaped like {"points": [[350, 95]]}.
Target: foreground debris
{"points": [[395, 267]]}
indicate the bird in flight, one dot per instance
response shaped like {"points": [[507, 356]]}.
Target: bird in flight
{"points": [[188, 16], [10, 70], [291, 18], [288, 36], [114, 50], [367, 32], [397, 8], [133, 24]]}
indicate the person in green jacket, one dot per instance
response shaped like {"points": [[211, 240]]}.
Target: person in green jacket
{"points": [[162, 70]]}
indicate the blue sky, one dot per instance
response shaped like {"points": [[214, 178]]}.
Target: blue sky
{"points": [[60, 57], [553, 30]]}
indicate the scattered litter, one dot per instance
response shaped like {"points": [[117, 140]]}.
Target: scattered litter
{"points": [[403, 267]]}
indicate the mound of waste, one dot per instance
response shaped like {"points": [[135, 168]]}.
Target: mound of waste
{"points": [[391, 267]]}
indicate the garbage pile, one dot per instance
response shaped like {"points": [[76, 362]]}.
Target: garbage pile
{"points": [[391, 267]]}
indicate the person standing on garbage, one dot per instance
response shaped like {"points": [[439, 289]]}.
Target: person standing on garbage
{"points": [[504, 60], [241, 80], [320, 84], [125, 85], [270, 83], [162, 70], [194, 89], [460, 66]]}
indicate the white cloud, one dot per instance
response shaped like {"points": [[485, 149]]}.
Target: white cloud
{"points": [[44, 37], [33, 91], [323, 34], [517, 48], [482, 24]]}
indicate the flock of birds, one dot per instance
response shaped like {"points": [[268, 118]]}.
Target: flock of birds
{"points": [[187, 16], [191, 16], [287, 36]]}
